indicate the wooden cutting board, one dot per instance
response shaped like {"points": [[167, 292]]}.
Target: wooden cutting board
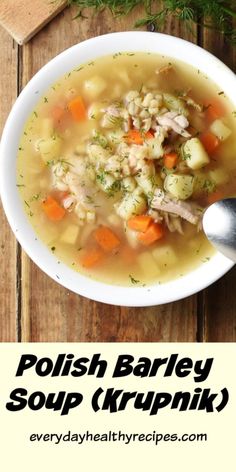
{"points": [[24, 18]]}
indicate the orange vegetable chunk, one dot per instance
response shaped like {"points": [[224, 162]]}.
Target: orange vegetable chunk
{"points": [[77, 109], [134, 136], [91, 258], [170, 160], [52, 209], [209, 141], [154, 232], [139, 223], [215, 110], [106, 239], [215, 196]]}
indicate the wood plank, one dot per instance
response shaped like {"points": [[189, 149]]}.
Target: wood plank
{"points": [[28, 21], [51, 313], [8, 247], [219, 300]]}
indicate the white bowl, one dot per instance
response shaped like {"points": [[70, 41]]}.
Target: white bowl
{"points": [[170, 46]]}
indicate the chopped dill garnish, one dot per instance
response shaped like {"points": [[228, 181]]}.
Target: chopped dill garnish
{"points": [[133, 280], [45, 100], [212, 14]]}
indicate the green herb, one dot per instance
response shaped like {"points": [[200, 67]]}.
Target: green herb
{"points": [[45, 100], [35, 114], [209, 185], [35, 197], [20, 185], [134, 281], [98, 138], [213, 14], [53, 248]]}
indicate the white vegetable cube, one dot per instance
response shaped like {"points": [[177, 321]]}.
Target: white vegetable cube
{"points": [[131, 237], [195, 154], [129, 184], [147, 263], [49, 148], [94, 87], [165, 256], [219, 176], [155, 148], [95, 110], [70, 234], [132, 204], [47, 128], [106, 182], [180, 186], [220, 130]]}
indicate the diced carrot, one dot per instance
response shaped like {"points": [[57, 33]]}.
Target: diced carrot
{"points": [[128, 254], [215, 110], [57, 113], [134, 136], [139, 222], [154, 232], [215, 197], [209, 141], [77, 109], [52, 209], [91, 258], [170, 160], [106, 239]]}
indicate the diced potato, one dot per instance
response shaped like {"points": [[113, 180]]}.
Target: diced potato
{"points": [[128, 184], [97, 153], [180, 186], [94, 87], [219, 176], [105, 181], [131, 237], [95, 111], [165, 255], [199, 182], [49, 148], [47, 128], [147, 263], [123, 75], [174, 103], [148, 183], [132, 204], [195, 154], [70, 235], [219, 129], [155, 148], [115, 136]]}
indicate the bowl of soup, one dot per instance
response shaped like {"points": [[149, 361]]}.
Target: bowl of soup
{"points": [[109, 158]]}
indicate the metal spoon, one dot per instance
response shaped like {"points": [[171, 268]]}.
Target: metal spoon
{"points": [[219, 224]]}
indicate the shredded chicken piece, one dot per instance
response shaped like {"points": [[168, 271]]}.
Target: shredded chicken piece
{"points": [[190, 102], [164, 69], [172, 120], [113, 111], [185, 210], [173, 223]]}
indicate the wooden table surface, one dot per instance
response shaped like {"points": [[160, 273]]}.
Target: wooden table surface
{"points": [[35, 308]]}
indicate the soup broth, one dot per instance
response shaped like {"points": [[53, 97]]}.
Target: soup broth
{"points": [[118, 161]]}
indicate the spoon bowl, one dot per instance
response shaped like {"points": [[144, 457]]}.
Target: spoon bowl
{"points": [[219, 224]]}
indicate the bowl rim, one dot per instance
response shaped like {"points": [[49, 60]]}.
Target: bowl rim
{"points": [[174, 290]]}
